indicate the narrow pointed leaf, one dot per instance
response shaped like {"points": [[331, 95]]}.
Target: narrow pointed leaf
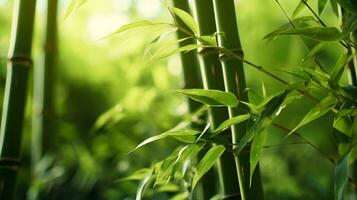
{"points": [[186, 18], [256, 150], [172, 133], [142, 186], [74, 5], [315, 33], [232, 121], [317, 111], [142, 24], [321, 5], [207, 162], [316, 49], [341, 177], [300, 7], [138, 175], [214, 98]]}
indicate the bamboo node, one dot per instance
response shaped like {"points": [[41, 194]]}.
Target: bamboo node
{"points": [[231, 196], [21, 59], [206, 51], [236, 52], [10, 163]]}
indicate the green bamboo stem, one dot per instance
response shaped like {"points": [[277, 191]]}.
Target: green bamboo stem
{"points": [[15, 95], [191, 71], [234, 80], [44, 87], [212, 76], [192, 79]]}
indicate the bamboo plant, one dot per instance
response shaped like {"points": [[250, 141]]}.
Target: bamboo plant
{"points": [[44, 75], [15, 95], [234, 80], [212, 77], [192, 79]]}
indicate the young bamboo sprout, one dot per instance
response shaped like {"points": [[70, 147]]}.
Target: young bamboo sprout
{"points": [[212, 77], [234, 80], [15, 95]]}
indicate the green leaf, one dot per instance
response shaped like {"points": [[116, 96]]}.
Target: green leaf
{"points": [[207, 162], [343, 124], [143, 186], [142, 24], [74, 5], [258, 126], [215, 98], [272, 104], [316, 49], [231, 121], [317, 111], [256, 150], [341, 177], [164, 53], [339, 68], [297, 21], [349, 5], [334, 6], [171, 133], [138, 175], [186, 18], [300, 7], [315, 33], [321, 5]]}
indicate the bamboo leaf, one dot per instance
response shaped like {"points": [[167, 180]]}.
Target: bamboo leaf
{"points": [[287, 26], [138, 175], [229, 122], [349, 5], [141, 24], [334, 6], [273, 103], [142, 186], [339, 68], [317, 111], [300, 7], [74, 5], [256, 150], [315, 33], [321, 5], [316, 49], [258, 126], [341, 176], [179, 134], [165, 53], [214, 98], [207, 162], [186, 18]]}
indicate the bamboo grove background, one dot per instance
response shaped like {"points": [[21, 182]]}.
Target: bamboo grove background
{"points": [[92, 96]]}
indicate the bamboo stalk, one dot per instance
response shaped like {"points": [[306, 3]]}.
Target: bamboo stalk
{"points": [[44, 87], [192, 79], [212, 77], [15, 95], [234, 80]]}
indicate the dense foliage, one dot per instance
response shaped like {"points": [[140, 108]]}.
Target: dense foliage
{"points": [[123, 129]]}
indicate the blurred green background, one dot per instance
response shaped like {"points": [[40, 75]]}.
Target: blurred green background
{"points": [[108, 80]]}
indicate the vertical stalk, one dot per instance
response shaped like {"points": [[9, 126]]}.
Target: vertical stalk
{"points": [[44, 87], [192, 79], [234, 80], [15, 95], [212, 77]]}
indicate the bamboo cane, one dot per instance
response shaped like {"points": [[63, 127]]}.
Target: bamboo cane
{"points": [[234, 80], [44, 75], [15, 95]]}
